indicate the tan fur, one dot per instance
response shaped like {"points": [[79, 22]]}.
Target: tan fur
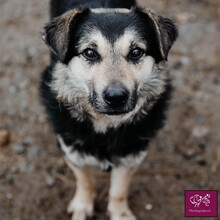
{"points": [[118, 194], [83, 202]]}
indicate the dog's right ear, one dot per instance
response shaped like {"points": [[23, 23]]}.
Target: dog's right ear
{"points": [[56, 33]]}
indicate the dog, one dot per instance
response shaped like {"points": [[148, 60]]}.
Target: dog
{"points": [[105, 91]]}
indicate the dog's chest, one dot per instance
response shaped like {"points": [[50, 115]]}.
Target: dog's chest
{"points": [[79, 158]]}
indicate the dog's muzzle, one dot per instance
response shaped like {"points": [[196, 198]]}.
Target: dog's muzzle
{"points": [[115, 99]]}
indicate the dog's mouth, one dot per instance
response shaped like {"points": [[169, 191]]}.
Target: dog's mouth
{"points": [[114, 112], [106, 110]]}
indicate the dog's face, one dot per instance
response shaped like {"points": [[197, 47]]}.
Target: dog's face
{"points": [[108, 58]]}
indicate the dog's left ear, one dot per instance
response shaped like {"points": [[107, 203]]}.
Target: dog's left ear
{"points": [[165, 29], [56, 33]]}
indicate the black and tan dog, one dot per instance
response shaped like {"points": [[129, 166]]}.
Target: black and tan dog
{"points": [[104, 91]]}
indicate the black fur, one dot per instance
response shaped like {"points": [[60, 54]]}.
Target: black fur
{"points": [[129, 138]]}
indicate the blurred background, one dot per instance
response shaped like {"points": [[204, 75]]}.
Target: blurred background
{"points": [[35, 183]]}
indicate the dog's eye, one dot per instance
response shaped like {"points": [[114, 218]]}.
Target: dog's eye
{"points": [[136, 54], [90, 54]]}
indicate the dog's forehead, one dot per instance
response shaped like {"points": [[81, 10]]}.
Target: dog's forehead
{"points": [[123, 43], [115, 26], [112, 23]]}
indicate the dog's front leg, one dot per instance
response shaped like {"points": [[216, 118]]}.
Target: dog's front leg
{"points": [[83, 202], [118, 194]]}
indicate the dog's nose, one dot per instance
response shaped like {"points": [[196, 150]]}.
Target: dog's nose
{"points": [[115, 95]]}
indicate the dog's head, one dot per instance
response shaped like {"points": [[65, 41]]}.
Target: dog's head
{"points": [[107, 57]]}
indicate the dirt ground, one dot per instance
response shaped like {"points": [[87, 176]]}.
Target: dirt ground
{"points": [[35, 183]]}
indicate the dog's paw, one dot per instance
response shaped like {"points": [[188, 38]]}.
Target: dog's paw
{"points": [[81, 215], [81, 209], [120, 213], [123, 216]]}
